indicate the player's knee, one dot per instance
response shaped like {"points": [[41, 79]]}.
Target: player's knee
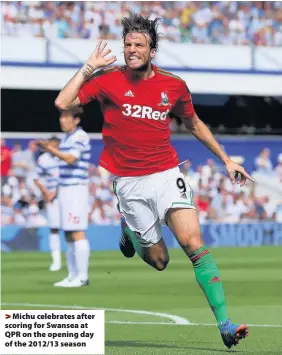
{"points": [[73, 236], [161, 263], [80, 235], [191, 242], [69, 236]]}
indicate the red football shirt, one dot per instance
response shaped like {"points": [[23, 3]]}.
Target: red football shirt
{"points": [[136, 130], [6, 160]]}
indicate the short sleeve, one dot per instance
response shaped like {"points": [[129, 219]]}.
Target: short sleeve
{"points": [[91, 90], [40, 171], [80, 145], [184, 107]]}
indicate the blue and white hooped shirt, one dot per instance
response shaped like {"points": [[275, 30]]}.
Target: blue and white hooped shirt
{"points": [[47, 170], [76, 143]]}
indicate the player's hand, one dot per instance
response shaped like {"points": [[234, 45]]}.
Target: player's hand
{"points": [[99, 58], [42, 144], [237, 173], [50, 196]]}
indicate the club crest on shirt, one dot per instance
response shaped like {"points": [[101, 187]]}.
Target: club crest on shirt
{"points": [[80, 137], [164, 100]]}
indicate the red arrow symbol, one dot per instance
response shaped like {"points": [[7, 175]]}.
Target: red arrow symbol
{"points": [[8, 316]]}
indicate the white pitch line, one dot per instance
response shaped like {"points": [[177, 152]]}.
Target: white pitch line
{"points": [[249, 325], [177, 320], [191, 324], [141, 323]]}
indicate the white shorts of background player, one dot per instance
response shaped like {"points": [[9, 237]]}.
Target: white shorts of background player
{"points": [[53, 214], [73, 204]]}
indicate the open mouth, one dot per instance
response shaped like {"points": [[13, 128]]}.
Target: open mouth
{"points": [[134, 59]]}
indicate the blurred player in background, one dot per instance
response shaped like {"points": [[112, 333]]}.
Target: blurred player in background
{"points": [[6, 161], [47, 180], [74, 154], [136, 101]]}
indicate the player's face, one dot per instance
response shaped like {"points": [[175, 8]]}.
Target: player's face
{"points": [[68, 122], [137, 51]]}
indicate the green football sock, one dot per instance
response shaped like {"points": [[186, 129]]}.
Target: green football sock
{"points": [[207, 275], [131, 235]]}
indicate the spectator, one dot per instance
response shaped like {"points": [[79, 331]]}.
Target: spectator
{"points": [[278, 213], [186, 168], [200, 34], [6, 209], [218, 209], [208, 170], [202, 203], [29, 158], [195, 178], [63, 27], [238, 208], [34, 218], [6, 161], [98, 215], [104, 29], [103, 193], [278, 168], [19, 218], [13, 184], [269, 207], [262, 162], [116, 29], [173, 126], [203, 15], [277, 37], [92, 28], [50, 28], [19, 164], [259, 208]]}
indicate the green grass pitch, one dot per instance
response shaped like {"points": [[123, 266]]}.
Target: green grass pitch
{"points": [[253, 283]]}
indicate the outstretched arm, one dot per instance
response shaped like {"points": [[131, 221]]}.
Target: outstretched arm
{"points": [[67, 98], [205, 136], [68, 158], [47, 195]]}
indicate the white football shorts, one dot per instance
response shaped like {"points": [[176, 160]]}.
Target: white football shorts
{"points": [[73, 204], [145, 200], [53, 214]]}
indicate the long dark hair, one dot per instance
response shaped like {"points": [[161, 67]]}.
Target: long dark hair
{"points": [[138, 23]]}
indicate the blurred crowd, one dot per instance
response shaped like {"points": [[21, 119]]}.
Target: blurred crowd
{"points": [[216, 198], [21, 200], [208, 22]]}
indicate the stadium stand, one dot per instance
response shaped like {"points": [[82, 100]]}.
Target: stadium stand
{"points": [[215, 22]]}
